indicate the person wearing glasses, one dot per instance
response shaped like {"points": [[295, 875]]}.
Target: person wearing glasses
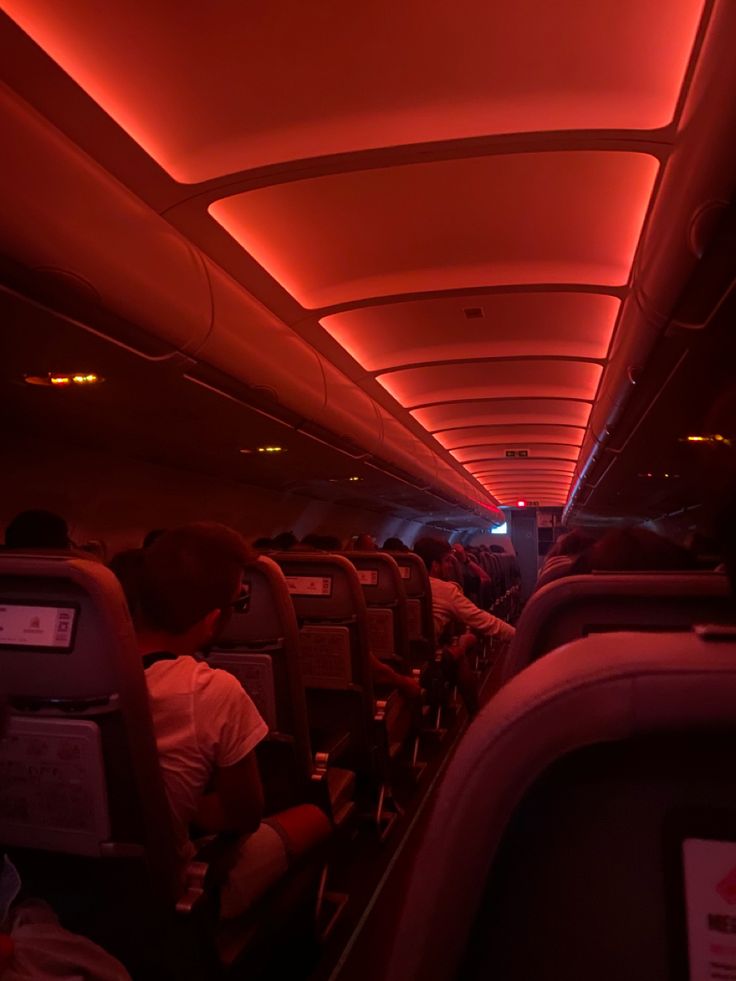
{"points": [[182, 590]]}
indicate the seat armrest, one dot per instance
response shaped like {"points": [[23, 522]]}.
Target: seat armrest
{"points": [[329, 747]]}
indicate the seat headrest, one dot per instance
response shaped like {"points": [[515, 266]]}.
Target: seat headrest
{"points": [[601, 688]]}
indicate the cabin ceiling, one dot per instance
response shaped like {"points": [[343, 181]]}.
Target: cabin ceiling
{"points": [[447, 202]]}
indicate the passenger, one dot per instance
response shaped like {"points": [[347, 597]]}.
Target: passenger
{"points": [[633, 550], [284, 541], [449, 608], [96, 548], [322, 543], [262, 545], [395, 545], [127, 567], [448, 602], [476, 580], [38, 529], [365, 543], [153, 535], [206, 726], [561, 557]]}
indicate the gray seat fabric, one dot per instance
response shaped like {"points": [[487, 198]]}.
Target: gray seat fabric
{"points": [[553, 847], [604, 601]]}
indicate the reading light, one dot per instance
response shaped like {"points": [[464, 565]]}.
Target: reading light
{"points": [[353, 479], [521, 504], [270, 449], [714, 438], [62, 381]]}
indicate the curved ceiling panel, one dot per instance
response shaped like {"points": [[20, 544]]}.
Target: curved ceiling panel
{"points": [[208, 91], [509, 436], [477, 326], [496, 468], [541, 451], [551, 217], [507, 412], [526, 484], [503, 379]]}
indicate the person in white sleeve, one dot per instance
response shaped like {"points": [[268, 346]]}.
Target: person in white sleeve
{"points": [[181, 590], [448, 601]]}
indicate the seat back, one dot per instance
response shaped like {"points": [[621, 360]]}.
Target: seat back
{"points": [[83, 805], [602, 602], [260, 646], [420, 621], [586, 823], [333, 639], [385, 598]]}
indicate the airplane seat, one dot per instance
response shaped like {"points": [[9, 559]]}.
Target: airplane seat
{"points": [[385, 597], [345, 713], [600, 602], [83, 809], [420, 622], [260, 646], [586, 825]]}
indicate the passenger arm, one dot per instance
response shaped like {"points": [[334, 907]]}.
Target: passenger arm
{"points": [[472, 616]]}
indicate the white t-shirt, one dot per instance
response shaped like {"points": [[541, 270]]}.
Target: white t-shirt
{"points": [[450, 603], [202, 720]]}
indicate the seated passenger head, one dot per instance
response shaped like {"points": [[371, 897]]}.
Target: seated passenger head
{"points": [[152, 535], [437, 556], [188, 582], [321, 543], [394, 545], [127, 567], [38, 529], [572, 543], [365, 542], [284, 541], [262, 544], [634, 550], [459, 552]]}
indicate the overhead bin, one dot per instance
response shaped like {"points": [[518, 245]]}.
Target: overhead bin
{"points": [[65, 218], [698, 178]]}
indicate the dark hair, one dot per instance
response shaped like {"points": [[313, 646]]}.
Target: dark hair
{"points": [[572, 543], [153, 535], [364, 542], [37, 529], [284, 541], [633, 550], [323, 543], [431, 550], [188, 572], [127, 567], [395, 545], [262, 543]]}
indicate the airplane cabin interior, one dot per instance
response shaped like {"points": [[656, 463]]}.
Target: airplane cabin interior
{"points": [[368, 490]]}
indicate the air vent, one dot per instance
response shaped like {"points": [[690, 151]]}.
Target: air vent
{"points": [[522, 454], [474, 313]]}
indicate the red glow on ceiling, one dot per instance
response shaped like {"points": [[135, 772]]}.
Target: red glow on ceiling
{"points": [[553, 217], [211, 89]]}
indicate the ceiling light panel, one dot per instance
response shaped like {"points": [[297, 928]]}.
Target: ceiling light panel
{"points": [[509, 436], [489, 469], [445, 383], [543, 451], [511, 412], [214, 89], [512, 324], [550, 217]]}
